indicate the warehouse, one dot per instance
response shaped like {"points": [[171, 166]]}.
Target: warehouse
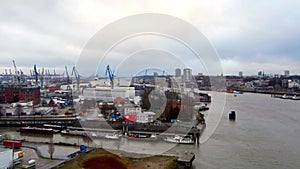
{"points": [[6, 158]]}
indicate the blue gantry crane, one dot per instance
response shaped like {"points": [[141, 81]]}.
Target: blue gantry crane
{"points": [[67, 74], [68, 79], [111, 75]]}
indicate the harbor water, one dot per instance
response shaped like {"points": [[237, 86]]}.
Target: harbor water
{"points": [[266, 134]]}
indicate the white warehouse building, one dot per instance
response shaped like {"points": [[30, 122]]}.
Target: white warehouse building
{"points": [[145, 117]]}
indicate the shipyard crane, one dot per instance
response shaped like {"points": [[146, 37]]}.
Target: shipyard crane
{"points": [[42, 78], [54, 75], [36, 74], [68, 78], [67, 74], [77, 76], [17, 80], [22, 78], [6, 75], [111, 75]]}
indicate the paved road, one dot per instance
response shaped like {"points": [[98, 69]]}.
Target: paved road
{"points": [[42, 163]]}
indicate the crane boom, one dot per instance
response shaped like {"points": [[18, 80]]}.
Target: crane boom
{"points": [[16, 72], [111, 75], [67, 74], [77, 76]]}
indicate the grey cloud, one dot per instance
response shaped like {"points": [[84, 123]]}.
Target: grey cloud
{"points": [[53, 33]]}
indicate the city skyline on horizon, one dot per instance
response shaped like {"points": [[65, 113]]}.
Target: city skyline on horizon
{"points": [[148, 71]]}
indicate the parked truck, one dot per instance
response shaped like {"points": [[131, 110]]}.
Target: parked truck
{"points": [[18, 157]]}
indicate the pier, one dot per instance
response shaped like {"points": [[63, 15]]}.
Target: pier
{"points": [[30, 120], [184, 159]]}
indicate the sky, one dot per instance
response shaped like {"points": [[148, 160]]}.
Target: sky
{"points": [[248, 36]]}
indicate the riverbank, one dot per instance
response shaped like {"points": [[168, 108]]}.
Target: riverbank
{"points": [[101, 158], [272, 92]]}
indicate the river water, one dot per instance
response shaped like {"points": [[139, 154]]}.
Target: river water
{"points": [[266, 134]]}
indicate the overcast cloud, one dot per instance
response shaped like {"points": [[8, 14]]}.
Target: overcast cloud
{"points": [[249, 36]]}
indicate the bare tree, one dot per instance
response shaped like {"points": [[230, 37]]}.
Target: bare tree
{"points": [[51, 148]]}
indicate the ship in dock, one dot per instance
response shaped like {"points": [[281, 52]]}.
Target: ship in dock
{"points": [[36, 130]]}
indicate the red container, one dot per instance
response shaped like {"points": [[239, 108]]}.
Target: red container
{"points": [[130, 118], [12, 143]]}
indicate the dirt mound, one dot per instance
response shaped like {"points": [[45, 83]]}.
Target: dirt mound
{"points": [[103, 162]]}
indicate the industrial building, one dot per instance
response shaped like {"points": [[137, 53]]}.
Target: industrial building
{"points": [[19, 93], [107, 93]]}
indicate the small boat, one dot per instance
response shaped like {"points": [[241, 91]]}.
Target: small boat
{"points": [[295, 97], [73, 133], [180, 139], [139, 136], [276, 96], [232, 115], [94, 135], [203, 108], [285, 97], [237, 92], [113, 136]]}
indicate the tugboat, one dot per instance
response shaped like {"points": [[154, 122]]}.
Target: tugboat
{"points": [[180, 139], [232, 116]]}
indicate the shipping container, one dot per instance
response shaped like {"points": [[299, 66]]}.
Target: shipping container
{"points": [[12, 143]]}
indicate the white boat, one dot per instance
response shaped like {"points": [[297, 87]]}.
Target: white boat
{"points": [[144, 137], [285, 97], [295, 97], [113, 136], [180, 139]]}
